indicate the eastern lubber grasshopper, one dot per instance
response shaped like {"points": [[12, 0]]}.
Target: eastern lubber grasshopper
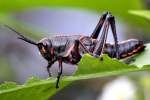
{"points": [[69, 49]]}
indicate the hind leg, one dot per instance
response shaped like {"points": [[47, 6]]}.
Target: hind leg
{"points": [[110, 20], [98, 27]]}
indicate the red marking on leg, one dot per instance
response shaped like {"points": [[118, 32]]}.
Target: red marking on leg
{"points": [[52, 53], [60, 62]]}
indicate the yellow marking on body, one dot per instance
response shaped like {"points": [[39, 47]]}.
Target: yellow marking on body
{"points": [[124, 55], [135, 50], [132, 52]]}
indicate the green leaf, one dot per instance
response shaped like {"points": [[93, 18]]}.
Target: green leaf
{"points": [[32, 80], [144, 14], [98, 5], [7, 7], [121, 10], [141, 13], [142, 58], [89, 67], [7, 85]]}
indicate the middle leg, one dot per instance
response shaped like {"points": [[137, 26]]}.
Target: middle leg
{"points": [[48, 68], [59, 72]]}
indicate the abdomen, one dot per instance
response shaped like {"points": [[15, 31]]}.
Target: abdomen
{"points": [[126, 48]]}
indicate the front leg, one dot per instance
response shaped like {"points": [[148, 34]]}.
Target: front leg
{"points": [[59, 72], [48, 67]]}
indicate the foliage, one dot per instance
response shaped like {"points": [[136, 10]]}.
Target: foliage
{"points": [[89, 67], [116, 7], [142, 13]]}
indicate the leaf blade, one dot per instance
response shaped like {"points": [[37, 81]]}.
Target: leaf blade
{"points": [[141, 13], [43, 89]]}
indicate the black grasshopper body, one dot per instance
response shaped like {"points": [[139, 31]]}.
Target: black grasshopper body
{"points": [[63, 47], [69, 49]]}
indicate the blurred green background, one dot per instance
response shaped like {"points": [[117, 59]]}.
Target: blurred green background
{"points": [[37, 19]]}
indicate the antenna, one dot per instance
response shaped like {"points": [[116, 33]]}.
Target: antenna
{"points": [[21, 36]]}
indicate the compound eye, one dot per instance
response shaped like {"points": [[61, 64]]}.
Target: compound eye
{"points": [[42, 48], [40, 45]]}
